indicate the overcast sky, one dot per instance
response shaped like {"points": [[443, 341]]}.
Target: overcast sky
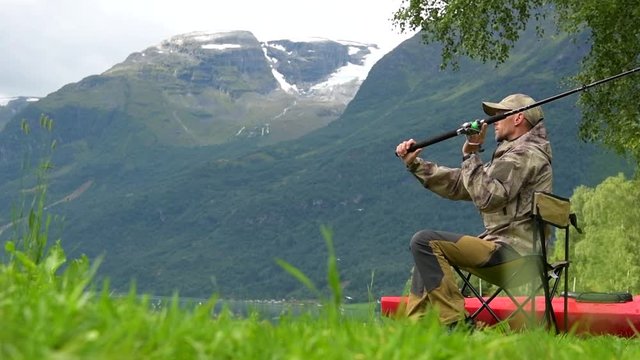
{"points": [[45, 44]]}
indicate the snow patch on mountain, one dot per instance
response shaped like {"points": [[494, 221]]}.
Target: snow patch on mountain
{"points": [[344, 81], [277, 47], [206, 40], [284, 85], [4, 101], [352, 72], [220, 46]]}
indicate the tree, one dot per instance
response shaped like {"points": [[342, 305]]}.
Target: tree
{"points": [[487, 30], [605, 256]]}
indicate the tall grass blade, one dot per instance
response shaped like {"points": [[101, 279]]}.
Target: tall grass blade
{"points": [[300, 276], [333, 276]]}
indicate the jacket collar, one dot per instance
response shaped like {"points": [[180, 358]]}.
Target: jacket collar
{"points": [[537, 135]]}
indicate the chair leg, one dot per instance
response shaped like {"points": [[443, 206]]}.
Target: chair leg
{"points": [[467, 283], [530, 316], [485, 303], [549, 315], [549, 290]]}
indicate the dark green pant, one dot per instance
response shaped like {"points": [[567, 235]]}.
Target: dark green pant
{"points": [[433, 282]]}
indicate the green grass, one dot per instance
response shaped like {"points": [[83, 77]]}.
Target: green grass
{"points": [[49, 311], [59, 323]]}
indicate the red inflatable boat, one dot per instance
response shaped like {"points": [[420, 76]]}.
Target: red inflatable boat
{"points": [[597, 315]]}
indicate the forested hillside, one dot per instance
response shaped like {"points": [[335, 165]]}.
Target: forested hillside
{"points": [[213, 219]]}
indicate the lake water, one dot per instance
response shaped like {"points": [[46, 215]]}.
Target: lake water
{"points": [[268, 309]]}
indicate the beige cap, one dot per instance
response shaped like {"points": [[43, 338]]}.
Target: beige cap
{"points": [[512, 102]]}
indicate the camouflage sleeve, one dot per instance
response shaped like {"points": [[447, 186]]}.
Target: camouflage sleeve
{"points": [[444, 181], [493, 187]]}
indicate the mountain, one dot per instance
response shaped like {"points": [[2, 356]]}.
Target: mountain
{"points": [[212, 88], [213, 218], [192, 90], [9, 107]]}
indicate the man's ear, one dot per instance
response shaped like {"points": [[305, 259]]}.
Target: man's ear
{"points": [[519, 119]]}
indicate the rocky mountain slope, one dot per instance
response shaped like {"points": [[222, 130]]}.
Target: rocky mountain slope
{"points": [[202, 89]]}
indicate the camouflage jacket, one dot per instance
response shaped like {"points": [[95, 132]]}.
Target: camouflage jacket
{"points": [[502, 189]]}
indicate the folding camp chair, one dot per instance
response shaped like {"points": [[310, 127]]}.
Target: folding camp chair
{"points": [[535, 269]]}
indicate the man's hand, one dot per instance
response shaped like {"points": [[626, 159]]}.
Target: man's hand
{"points": [[402, 150], [474, 142]]}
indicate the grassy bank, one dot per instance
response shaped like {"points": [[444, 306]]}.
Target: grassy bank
{"points": [[60, 323], [50, 310]]}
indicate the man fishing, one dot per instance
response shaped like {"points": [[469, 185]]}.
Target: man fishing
{"points": [[501, 190]]}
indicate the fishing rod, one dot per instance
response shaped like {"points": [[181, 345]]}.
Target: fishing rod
{"points": [[474, 127]]}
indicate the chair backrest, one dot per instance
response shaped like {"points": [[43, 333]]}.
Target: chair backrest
{"points": [[552, 209]]}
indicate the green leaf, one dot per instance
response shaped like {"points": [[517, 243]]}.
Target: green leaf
{"points": [[24, 126], [55, 258], [10, 247], [25, 260]]}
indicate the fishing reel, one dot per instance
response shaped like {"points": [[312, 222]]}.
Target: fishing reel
{"points": [[470, 128]]}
